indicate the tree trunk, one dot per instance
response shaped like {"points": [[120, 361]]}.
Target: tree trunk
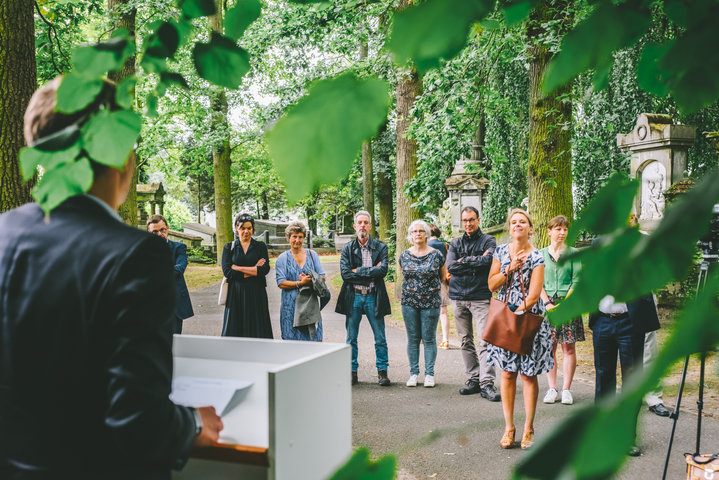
{"points": [[265, 205], [549, 171], [128, 210], [408, 88], [221, 155], [367, 172], [385, 197], [18, 79]]}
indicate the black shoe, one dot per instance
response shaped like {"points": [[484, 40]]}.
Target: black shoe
{"points": [[383, 380], [634, 451], [490, 393], [355, 380], [659, 409], [470, 388]]}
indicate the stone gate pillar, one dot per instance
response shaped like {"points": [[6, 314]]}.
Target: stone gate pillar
{"points": [[466, 188], [659, 160]]}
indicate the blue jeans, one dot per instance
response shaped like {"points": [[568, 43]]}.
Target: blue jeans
{"points": [[421, 324], [364, 304], [611, 336]]}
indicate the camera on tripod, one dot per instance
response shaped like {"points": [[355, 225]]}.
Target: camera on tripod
{"points": [[709, 243]]}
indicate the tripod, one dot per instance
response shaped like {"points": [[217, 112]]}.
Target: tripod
{"points": [[701, 282]]}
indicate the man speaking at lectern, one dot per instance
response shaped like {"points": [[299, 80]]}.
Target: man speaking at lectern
{"points": [[86, 314]]}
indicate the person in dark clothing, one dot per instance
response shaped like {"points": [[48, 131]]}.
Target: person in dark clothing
{"points": [[86, 310], [245, 264], [157, 225], [363, 265], [438, 244], [468, 262]]}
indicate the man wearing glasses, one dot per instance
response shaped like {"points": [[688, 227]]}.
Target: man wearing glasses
{"points": [[468, 262], [157, 225]]}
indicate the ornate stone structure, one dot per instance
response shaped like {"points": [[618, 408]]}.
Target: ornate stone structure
{"points": [[466, 188], [659, 160], [154, 194]]}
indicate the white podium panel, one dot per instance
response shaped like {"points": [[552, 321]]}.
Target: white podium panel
{"points": [[295, 422]]}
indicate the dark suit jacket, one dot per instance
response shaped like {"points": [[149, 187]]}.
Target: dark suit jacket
{"points": [[642, 312], [183, 309], [351, 258], [86, 311]]}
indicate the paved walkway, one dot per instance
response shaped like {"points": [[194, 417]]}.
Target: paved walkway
{"points": [[437, 433]]}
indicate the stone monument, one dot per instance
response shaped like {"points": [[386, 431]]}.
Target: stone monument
{"points": [[659, 160], [466, 188]]}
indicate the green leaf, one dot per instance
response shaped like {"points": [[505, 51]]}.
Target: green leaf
{"points": [[184, 29], [591, 44], [608, 210], [164, 41], [308, 2], [96, 60], [240, 16], [435, 30], [172, 78], [76, 93], [359, 466], [221, 61], [30, 158], [109, 137], [153, 64], [628, 264], [317, 140], [197, 8], [125, 92], [651, 77], [678, 12], [63, 182], [151, 105], [516, 13]]}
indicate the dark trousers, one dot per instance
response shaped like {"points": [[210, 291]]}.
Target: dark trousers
{"points": [[612, 335]]}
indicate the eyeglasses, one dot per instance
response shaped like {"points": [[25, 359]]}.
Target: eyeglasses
{"points": [[469, 220]]}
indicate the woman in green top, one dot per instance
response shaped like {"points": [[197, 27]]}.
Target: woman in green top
{"points": [[559, 280]]}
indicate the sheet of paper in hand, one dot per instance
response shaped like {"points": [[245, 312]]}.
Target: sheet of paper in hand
{"points": [[221, 393]]}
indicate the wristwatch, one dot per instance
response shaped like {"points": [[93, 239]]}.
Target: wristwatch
{"points": [[198, 422]]}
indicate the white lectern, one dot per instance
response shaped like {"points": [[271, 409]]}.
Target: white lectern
{"points": [[295, 422]]}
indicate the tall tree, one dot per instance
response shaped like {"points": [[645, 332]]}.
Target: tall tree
{"points": [[221, 158], [367, 173], [17, 83], [409, 87], [121, 16], [549, 169]]}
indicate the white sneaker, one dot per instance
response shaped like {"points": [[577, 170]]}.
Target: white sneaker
{"points": [[412, 382], [551, 396], [567, 397], [429, 381]]}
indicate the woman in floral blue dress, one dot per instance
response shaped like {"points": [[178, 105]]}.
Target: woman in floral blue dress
{"points": [[423, 270], [292, 271], [514, 262]]}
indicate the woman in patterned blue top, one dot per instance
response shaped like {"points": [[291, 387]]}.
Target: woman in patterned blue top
{"points": [[292, 270], [423, 268], [514, 262]]}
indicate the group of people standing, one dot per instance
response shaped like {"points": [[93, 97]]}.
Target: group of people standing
{"points": [[465, 273]]}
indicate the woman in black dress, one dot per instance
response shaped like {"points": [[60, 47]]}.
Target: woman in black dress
{"points": [[245, 263]]}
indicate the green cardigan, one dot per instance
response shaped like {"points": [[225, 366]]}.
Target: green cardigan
{"points": [[559, 279]]}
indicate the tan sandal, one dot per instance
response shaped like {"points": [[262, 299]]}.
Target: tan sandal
{"points": [[507, 440], [527, 439]]}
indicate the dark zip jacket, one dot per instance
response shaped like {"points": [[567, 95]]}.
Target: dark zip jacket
{"points": [[469, 266]]}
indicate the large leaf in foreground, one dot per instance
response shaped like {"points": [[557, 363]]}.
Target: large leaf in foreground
{"points": [[627, 264], [360, 467], [110, 136], [319, 138], [240, 16], [435, 30], [76, 92], [600, 437], [221, 61], [62, 182]]}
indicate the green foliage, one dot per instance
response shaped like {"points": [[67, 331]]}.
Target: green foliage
{"points": [[221, 61], [76, 93], [197, 8], [240, 16], [308, 134], [360, 467], [435, 30], [109, 136]]}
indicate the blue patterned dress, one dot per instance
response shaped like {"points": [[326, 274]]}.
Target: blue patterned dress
{"points": [[539, 360], [286, 268]]}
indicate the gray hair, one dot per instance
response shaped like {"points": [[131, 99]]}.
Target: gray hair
{"points": [[424, 224], [363, 212], [295, 228]]}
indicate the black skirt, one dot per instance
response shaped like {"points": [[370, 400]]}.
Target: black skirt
{"points": [[246, 311]]}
